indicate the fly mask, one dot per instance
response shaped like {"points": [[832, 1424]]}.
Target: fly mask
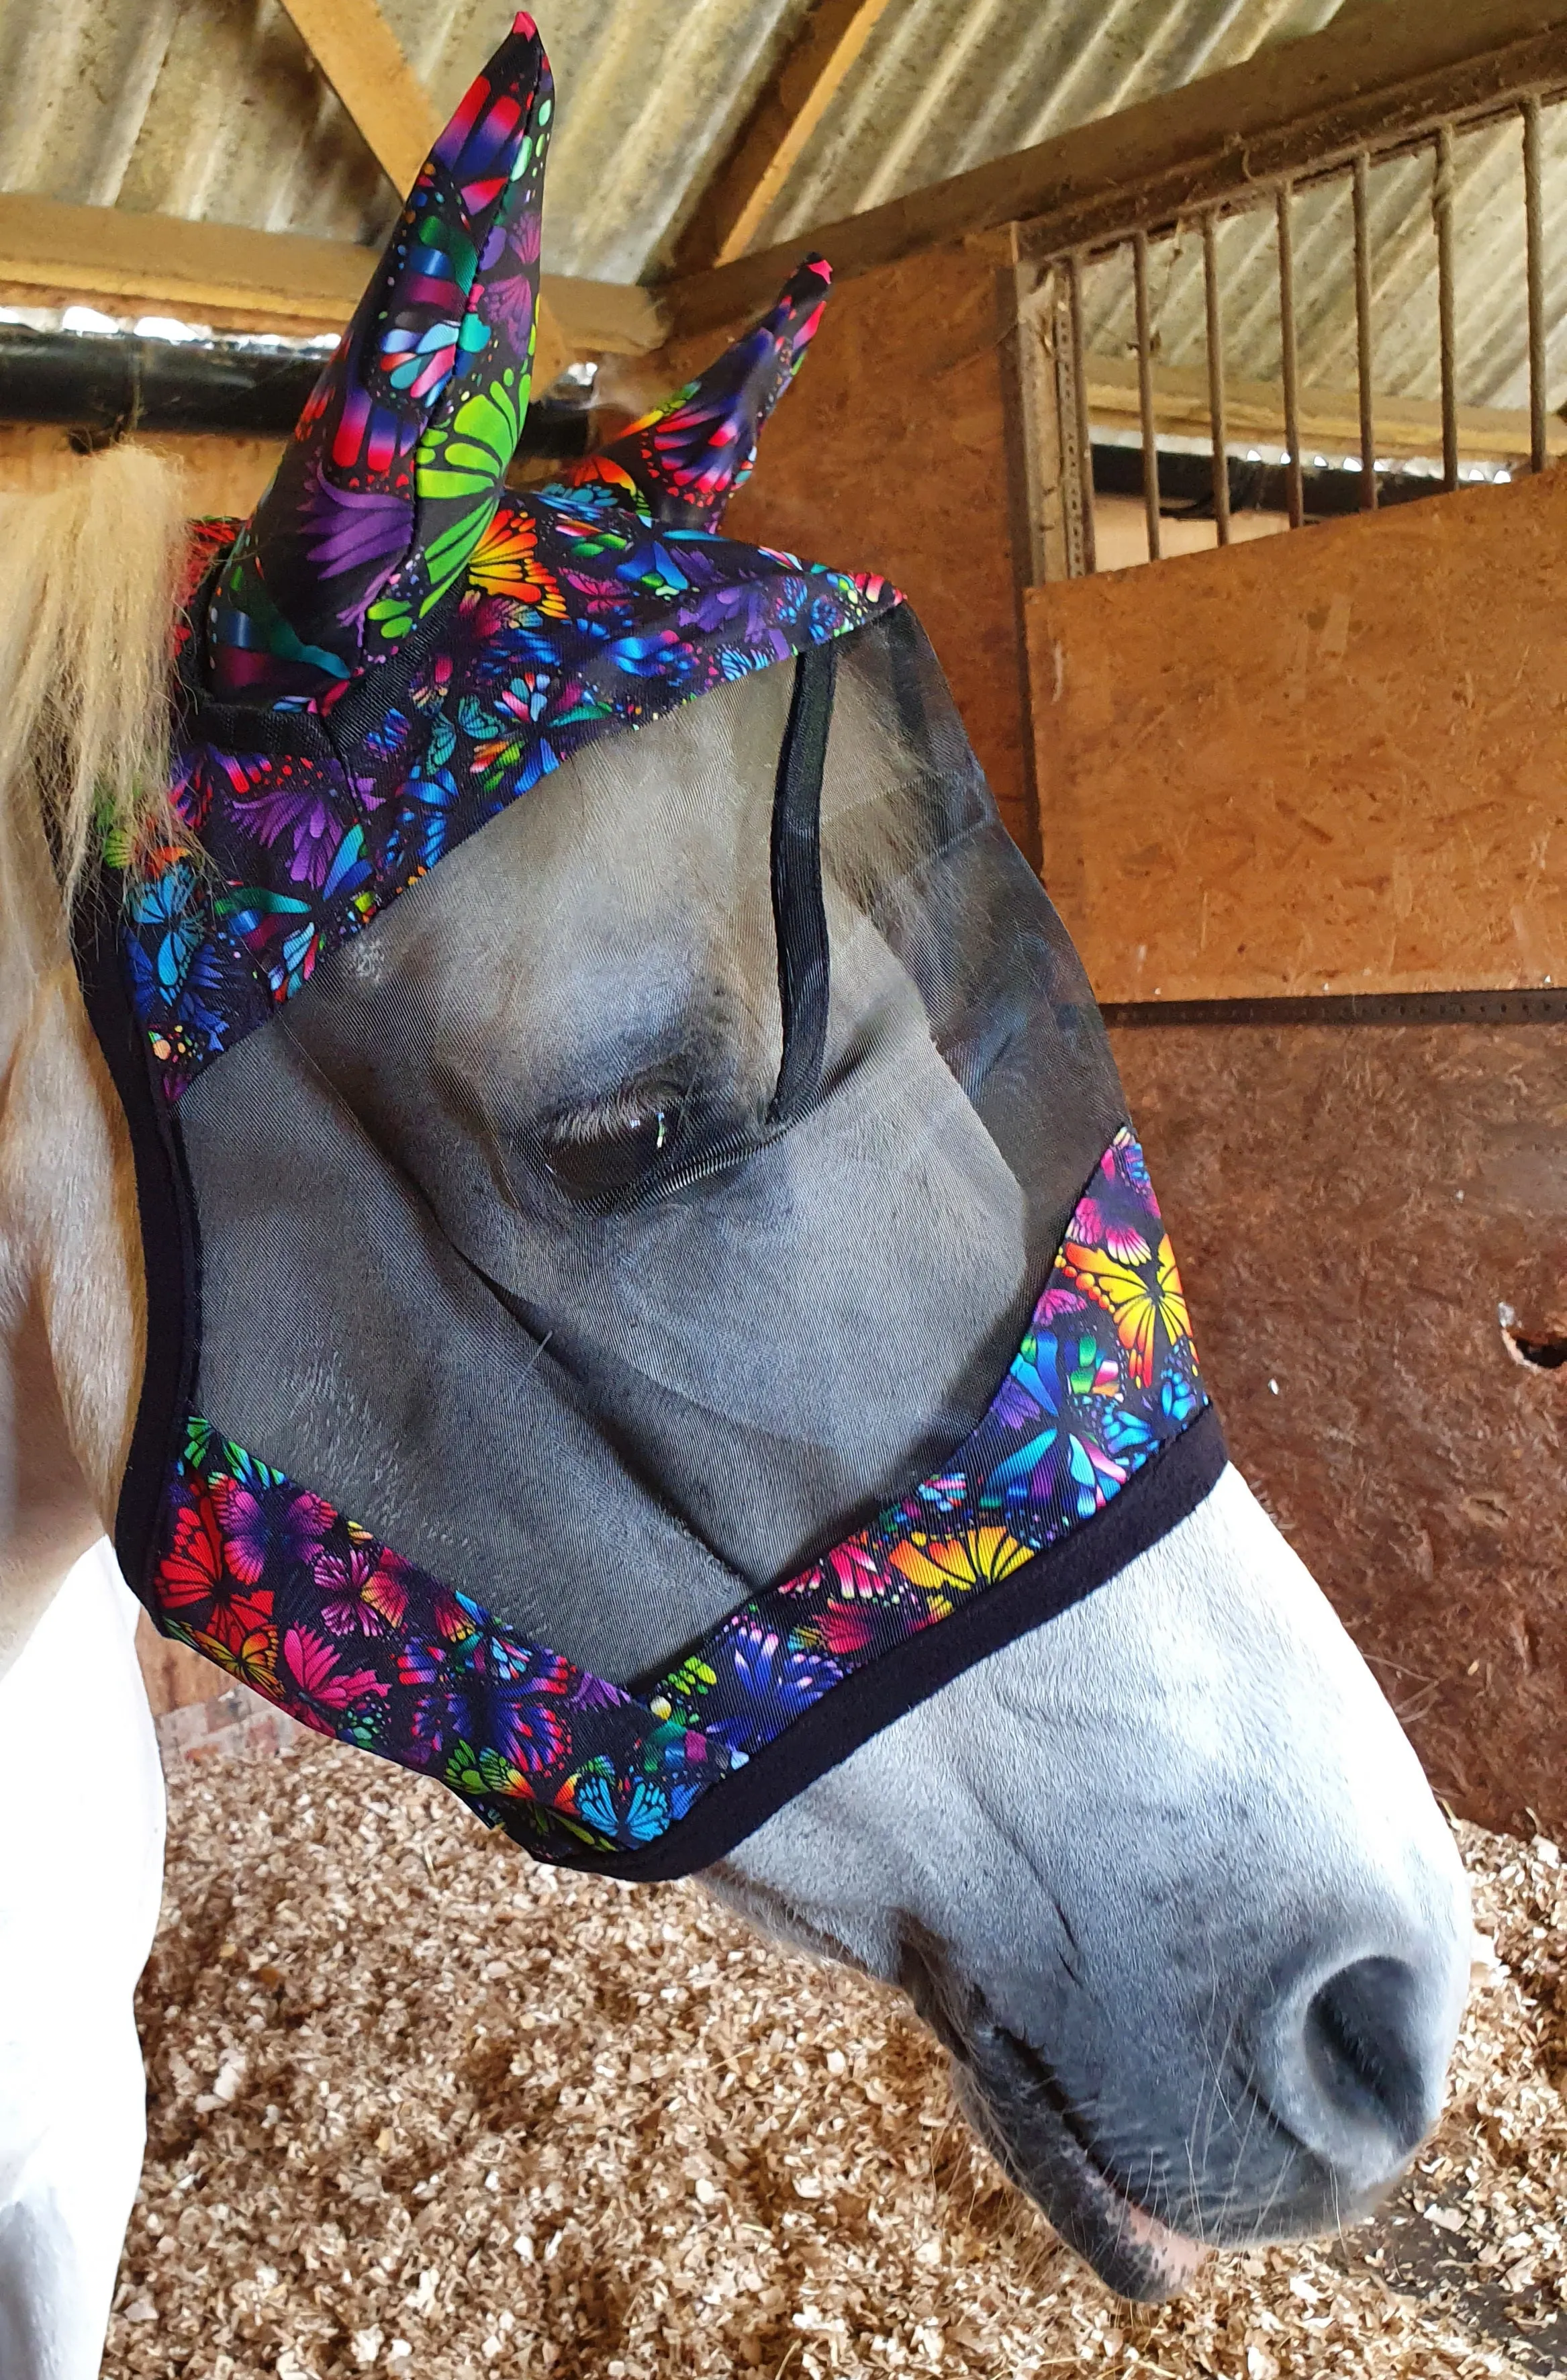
{"points": [[593, 1364]]}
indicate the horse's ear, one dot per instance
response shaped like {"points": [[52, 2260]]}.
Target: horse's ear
{"points": [[396, 466], [682, 462]]}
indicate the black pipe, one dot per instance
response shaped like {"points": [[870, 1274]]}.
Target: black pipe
{"points": [[99, 385], [1185, 484]]}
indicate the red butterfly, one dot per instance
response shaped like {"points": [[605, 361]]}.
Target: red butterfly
{"points": [[193, 1578]]}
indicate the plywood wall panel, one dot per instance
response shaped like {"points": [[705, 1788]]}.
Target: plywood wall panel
{"points": [[174, 1675], [223, 475], [1333, 761], [1350, 1206], [888, 454]]}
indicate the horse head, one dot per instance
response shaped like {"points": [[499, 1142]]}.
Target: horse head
{"points": [[657, 1314]]}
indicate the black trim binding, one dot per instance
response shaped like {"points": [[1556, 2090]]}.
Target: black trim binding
{"points": [[169, 1247], [799, 915], [1169, 1487]]}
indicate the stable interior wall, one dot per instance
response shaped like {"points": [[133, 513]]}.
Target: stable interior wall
{"points": [[1331, 762], [1334, 762], [1351, 1207]]}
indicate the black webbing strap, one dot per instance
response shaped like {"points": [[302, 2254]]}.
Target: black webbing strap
{"points": [[799, 918]]}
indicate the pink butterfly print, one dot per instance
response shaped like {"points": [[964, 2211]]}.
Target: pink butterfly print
{"points": [[313, 1662], [1059, 1298], [534, 1736], [365, 1591], [849, 1574], [1091, 1225], [842, 1630]]}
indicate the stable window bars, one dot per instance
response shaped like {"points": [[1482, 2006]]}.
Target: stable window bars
{"points": [[1275, 274]]}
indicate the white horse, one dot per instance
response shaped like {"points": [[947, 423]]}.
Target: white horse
{"points": [[1210, 1961]]}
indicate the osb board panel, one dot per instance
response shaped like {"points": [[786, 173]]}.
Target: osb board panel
{"points": [[888, 454], [172, 1675], [1349, 1207], [223, 475], [1333, 761]]}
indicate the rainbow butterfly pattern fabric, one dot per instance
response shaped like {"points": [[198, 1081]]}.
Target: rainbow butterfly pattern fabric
{"points": [[314, 1612], [681, 462], [576, 617], [394, 471], [498, 631]]}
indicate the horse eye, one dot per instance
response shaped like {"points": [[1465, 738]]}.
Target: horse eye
{"points": [[600, 1153]]}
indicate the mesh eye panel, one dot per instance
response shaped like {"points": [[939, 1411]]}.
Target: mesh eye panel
{"points": [[452, 1277]]}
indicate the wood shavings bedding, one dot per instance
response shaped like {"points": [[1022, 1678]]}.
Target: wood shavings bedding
{"points": [[421, 2108]]}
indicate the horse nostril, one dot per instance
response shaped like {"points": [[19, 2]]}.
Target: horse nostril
{"points": [[1363, 2040]]}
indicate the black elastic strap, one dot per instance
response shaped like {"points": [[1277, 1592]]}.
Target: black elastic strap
{"points": [[170, 1250], [799, 918]]}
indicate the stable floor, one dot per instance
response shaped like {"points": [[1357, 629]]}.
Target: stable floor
{"points": [[419, 2108]]}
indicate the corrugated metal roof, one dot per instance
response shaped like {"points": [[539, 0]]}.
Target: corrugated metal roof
{"points": [[946, 84], [211, 108], [1491, 343]]}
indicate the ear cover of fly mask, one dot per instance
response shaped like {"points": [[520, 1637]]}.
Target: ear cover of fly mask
{"points": [[398, 462], [681, 462], [648, 1274]]}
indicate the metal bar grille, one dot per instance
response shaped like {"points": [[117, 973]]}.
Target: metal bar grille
{"points": [[1145, 393], [1534, 252], [1064, 417], [1216, 379], [1441, 210], [1363, 334], [1188, 409], [1085, 435], [1289, 354]]}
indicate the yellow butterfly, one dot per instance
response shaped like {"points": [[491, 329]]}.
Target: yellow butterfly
{"points": [[946, 1567], [254, 1662], [1139, 1307], [504, 562]]}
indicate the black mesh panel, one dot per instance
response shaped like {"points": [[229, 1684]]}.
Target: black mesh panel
{"points": [[502, 1251]]}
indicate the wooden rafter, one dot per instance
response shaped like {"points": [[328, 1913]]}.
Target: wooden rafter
{"points": [[1399, 68], [776, 131], [52, 253], [362, 59]]}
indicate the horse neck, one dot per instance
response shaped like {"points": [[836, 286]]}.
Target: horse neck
{"points": [[70, 1278], [89, 578]]}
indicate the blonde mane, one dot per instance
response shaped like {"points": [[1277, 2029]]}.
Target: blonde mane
{"points": [[90, 578]]}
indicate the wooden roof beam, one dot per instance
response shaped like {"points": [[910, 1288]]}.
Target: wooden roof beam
{"points": [[1399, 68], [52, 253], [769, 142]]}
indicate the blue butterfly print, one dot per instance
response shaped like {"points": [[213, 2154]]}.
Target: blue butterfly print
{"points": [[637, 1811]]}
